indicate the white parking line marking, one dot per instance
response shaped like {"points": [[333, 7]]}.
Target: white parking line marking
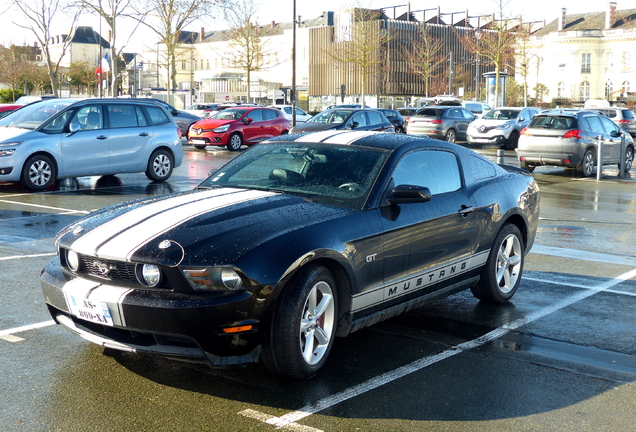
{"points": [[265, 419], [11, 338], [27, 256], [15, 330], [417, 365], [574, 285], [44, 207], [583, 255]]}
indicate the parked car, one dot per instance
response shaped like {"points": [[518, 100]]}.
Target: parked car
{"points": [[236, 126], [59, 138], [344, 106], [623, 117], [395, 118], [500, 126], [296, 241], [301, 116], [449, 123], [221, 107], [25, 100], [346, 119], [6, 109], [201, 109], [183, 118], [569, 138], [406, 112], [477, 108]]}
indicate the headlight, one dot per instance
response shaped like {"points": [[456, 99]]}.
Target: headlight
{"points": [[223, 128], [72, 260], [504, 126], [214, 278], [7, 152], [10, 144], [148, 275]]}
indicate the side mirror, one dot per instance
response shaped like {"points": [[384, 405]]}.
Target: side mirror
{"points": [[73, 127], [248, 120], [405, 194], [521, 119], [616, 134], [353, 125], [174, 113]]}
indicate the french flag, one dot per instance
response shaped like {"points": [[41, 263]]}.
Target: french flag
{"points": [[104, 66]]}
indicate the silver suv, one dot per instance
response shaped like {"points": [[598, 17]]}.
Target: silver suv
{"points": [[501, 126], [623, 117], [569, 138]]}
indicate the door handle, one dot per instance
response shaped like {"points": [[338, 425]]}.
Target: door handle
{"points": [[102, 137], [143, 134]]}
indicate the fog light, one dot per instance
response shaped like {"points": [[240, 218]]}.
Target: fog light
{"points": [[72, 259], [150, 275]]}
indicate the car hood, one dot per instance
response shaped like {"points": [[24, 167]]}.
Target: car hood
{"points": [[204, 227], [314, 127], [9, 133]]}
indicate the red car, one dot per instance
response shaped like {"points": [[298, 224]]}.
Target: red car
{"points": [[8, 109], [236, 126]]}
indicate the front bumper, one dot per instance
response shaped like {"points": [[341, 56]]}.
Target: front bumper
{"points": [[211, 138], [167, 323], [484, 139]]}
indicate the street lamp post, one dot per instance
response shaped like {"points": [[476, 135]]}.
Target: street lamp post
{"points": [[293, 90]]}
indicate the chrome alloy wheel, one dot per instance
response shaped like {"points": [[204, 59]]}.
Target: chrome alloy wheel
{"points": [[40, 172], [509, 262], [317, 323], [161, 165]]}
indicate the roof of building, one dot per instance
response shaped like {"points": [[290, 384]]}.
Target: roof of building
{"points": [[625, 19]]}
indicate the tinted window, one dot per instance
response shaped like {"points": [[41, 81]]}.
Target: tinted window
{"points": [[255, 115], [595, 124], [476, 108], [429, 112], [390, 114], [359, 118], [88, 117], [609, 125], [300, 112], [481, 169], [628, 115], [554, 122], [467, 114], [156, 115], [122, 116], [287, 110], [434, 169], [269, 115], [375, 118]]}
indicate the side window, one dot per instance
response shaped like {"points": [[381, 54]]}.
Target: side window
{"points": [[434, 169], [141, 120], [359, 118], [468, 115], [595, 124], [256, 115], [374, 118], [57, 125], [300, 112], [89, 117], [287, 110], [270, 115], [122, 116], [389, 114], [609, 125], [156, 115]]}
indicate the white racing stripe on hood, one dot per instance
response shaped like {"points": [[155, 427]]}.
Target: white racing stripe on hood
{"points": [[89, 242], [126, 243]]}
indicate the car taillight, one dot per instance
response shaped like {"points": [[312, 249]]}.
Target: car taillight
{"points": [[524, 131], [623, 121], [575, 133], [179, 132], [438, 121]]}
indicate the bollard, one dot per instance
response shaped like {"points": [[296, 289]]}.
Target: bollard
{"points": [[500, 156], [599, 158], [621, 165]]}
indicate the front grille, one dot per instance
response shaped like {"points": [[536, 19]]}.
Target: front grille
{"points": [[108, 269]]}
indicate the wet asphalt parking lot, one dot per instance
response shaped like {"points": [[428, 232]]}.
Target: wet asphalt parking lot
{"points": [[561, 356]]}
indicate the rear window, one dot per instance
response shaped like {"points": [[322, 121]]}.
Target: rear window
{"points": [[628, 115], [157, 115], [554, 122], [429, 112]]}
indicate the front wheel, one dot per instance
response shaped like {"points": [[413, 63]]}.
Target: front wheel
{"points": [[512, 142], [235, 142], [629, 159], [586, 168], [160, 166], [200, 146], [451, 136], [303, 327], [502, 274], [39, 173]]}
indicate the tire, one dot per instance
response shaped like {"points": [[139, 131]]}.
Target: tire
{"points": [[501, 276], [586, 168], [303, 327], [200, 146], [629, 159], [399, 129], [526, 166], [235, 142], [451, 136], [39, 173], [512, 142], [160, 166]]}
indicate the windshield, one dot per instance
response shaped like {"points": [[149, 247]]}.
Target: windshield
{"points": [[502, 114], [334, 175], [330, 116], [32, 116], [229, 114]]}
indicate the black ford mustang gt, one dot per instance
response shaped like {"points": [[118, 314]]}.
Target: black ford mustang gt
{"points": [[299, 239]]}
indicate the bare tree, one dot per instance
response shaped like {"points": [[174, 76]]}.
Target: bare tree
{"points": [[525, 52], [246, 39], [83, 74], [359, 45], [39, 17], [12, 69], [168, 18], [424, 55], [110, 11]]}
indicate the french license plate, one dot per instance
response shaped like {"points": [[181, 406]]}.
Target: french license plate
{"points": [[197, 141], [91, 310]]}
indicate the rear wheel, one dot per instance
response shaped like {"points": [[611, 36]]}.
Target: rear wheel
{"points": [[303, 327], [235, 142], [160, 166], [502, 274], [586, 168], [399, 129], [451, 136], [39, 173], [629, 159]]}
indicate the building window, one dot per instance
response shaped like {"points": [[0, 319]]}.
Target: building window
{"points": [[183, 65], [586, 63], [609, 61], [609, 89], [561, 90], [561, 61], [626, 61], [585, 91], [626, 86]]}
